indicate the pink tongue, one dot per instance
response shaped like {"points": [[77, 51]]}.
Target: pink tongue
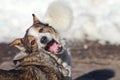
{"points": [[54, 48]]}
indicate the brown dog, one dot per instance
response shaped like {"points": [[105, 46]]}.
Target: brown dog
{"points": [[49, 41], [37, 60], [42, 37]]}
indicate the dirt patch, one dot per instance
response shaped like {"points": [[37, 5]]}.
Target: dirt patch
{"points": [[93, 61]]}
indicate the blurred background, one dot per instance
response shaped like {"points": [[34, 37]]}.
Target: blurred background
{"points": [[93, 19], [93, 38]]}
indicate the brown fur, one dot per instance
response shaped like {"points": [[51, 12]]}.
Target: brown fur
{"points": [[28, 40], [37, 66], [18, 43], [41, 27]]}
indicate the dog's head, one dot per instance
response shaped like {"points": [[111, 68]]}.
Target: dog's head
{"points": [[26, 48], [46, 36]]}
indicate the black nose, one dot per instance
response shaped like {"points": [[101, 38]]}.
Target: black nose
{"points": [[44, 40]]}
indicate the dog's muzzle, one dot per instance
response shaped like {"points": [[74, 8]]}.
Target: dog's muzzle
{"points": [[51, 45]]}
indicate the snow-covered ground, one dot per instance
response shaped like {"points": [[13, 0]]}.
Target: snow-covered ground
{"points": [[93, 19]]}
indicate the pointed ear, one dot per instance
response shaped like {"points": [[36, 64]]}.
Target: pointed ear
{"points": [[35, 19], [18, 43]]}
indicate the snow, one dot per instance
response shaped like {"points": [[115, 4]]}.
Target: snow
{"points": [[16, 16], [93, 19]]}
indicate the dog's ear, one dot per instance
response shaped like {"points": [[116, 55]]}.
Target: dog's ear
{"points": [[18, 43], [35, 19]]}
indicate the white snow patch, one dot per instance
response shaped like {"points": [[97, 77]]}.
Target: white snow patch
{"points": [[93, 19]]}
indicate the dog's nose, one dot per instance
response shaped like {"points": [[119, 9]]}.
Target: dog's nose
{"points": [[44, 40]]}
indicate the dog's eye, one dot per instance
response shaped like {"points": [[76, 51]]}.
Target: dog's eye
{"points": [[32, 42], [41, 30]]}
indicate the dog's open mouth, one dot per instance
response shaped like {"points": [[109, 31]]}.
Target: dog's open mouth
{"points": [[53, 46]]}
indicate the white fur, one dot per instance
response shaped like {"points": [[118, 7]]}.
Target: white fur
{"points": [[20, 55], [33, 32], [38, 36]]}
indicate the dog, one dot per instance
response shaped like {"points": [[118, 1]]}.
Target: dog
{"points": [[34, 63], [41, 37], [43, 55], [49, 41]]}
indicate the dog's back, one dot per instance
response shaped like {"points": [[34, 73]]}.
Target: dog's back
{"points": [[34, 67]]}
